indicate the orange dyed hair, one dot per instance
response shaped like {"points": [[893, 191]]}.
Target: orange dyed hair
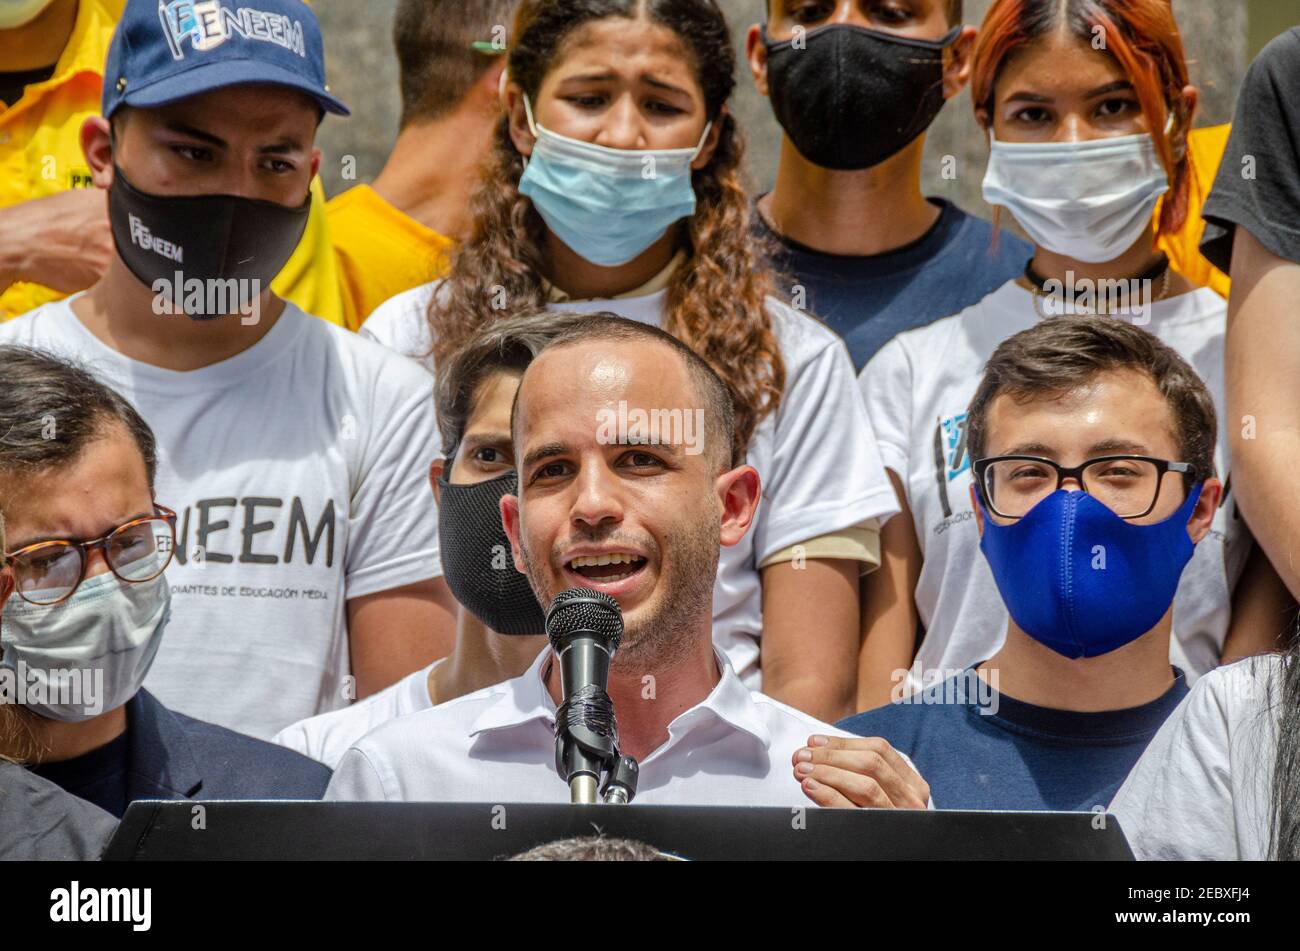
{"points": [[1141, 35]]}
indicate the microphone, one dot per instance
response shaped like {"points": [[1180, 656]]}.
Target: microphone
{"points": [[585, 628]]}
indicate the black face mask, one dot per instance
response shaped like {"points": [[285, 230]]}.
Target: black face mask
{"points": [[853, 97], [476, 560], [206, 239]]}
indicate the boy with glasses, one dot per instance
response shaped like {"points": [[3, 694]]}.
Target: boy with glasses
{"points": [[1093, 447], [88, 546]]}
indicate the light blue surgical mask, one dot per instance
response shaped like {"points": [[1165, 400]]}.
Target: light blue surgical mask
{"points": [[105, 635], [608, 205]]}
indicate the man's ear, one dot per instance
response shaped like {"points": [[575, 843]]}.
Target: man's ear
{"points": [[510, 522], [1198, 526], [756, 55], [739, 491], [436, 469], [520, 134], [975, 507], [6, 586], [489, 86], [957, 62], [97, 146], [315, 163]]}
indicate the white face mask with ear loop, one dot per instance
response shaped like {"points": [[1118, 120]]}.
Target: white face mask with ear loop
{"points": [[1089, 201], [16, 13], [106, 635]]}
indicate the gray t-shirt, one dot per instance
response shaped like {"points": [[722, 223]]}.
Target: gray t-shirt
{"points": [[1258, 184], [39, 821]]}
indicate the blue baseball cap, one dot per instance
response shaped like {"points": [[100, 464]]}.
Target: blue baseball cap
{"points": [[167, 50]]}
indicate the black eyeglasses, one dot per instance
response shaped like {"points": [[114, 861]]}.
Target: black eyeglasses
{"points": [[48, 573], [1009, 486]]}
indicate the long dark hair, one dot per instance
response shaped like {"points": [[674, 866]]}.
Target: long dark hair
{"points": [[716, 301], [1285, 811]]}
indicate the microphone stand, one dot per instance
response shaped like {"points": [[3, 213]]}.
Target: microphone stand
{"points": [[620, 786], [582, 754], [589, 759]]}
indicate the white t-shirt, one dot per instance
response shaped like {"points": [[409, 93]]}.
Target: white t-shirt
{"points": [[1202, 788], [327, 736], [498, 745], [298, 470], [819, 466], [917, 390]]}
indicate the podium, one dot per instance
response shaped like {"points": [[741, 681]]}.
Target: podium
{"points": [[333, 831]]}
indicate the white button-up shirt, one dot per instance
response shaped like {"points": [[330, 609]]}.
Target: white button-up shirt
{"points": [[498, 745]]}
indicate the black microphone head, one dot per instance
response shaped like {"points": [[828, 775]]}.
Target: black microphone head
{"points": [[581, 609]]}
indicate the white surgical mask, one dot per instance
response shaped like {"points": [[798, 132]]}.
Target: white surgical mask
{"points": [[16, 13], [107, 625], [1089, 201], [608, 205]]}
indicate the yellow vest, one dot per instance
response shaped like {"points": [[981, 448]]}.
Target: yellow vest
{"points": [[1206, 147], [40, 154]]}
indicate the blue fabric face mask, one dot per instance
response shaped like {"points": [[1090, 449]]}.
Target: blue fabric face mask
{"points": [[608, 205], [1081, 580]]}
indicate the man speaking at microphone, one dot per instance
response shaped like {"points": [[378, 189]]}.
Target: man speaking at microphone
{"points": [[628, 484]]}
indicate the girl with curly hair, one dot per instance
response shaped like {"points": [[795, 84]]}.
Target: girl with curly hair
{"points": [[615, 185]]}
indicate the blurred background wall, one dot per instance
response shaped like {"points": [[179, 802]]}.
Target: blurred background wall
{"points": [[1221, 36]]}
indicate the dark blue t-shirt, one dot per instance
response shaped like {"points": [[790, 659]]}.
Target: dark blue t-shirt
{"points": [[167, 755], [870, 300], [979, 749], [98, 776]]}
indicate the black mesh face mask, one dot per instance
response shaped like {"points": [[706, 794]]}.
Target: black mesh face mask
{"points": [[476, 558], [849, 97]]}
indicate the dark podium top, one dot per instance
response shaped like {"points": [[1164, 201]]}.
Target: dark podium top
{"points": [[485, 831]]}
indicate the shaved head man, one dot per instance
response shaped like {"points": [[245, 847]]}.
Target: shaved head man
{"points": [[627, 485], [636, 511]]}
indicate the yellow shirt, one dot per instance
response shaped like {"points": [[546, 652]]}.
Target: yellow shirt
{"points": [[40, 154], [381, 251], [311, 276], [1206, 148]]}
